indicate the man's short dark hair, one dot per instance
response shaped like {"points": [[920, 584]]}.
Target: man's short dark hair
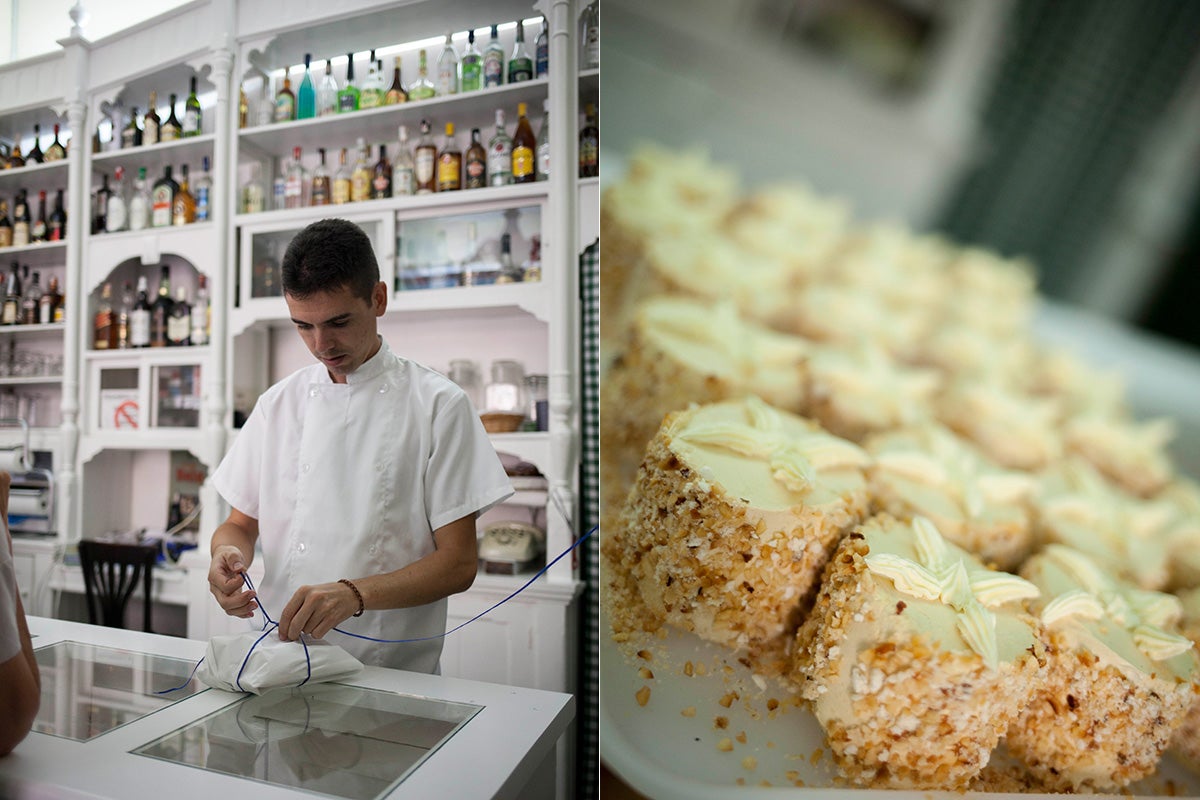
{"points": [[327, 255]]}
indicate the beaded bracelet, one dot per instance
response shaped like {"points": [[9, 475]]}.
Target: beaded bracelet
{"points": [[361, 605]]}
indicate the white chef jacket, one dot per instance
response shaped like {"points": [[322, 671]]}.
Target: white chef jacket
{"points": [[348, 480], [10, 636]]}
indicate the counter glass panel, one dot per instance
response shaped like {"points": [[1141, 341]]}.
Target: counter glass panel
{"points": [[330, 739], [89, 690]]}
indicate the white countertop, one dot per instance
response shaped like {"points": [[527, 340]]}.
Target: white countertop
{"points": [[495, 754]]}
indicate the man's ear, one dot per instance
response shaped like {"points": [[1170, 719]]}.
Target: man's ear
{"points": [[379, 298]]}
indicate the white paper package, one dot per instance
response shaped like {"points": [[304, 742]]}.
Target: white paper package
{"points": [[273, 663]]}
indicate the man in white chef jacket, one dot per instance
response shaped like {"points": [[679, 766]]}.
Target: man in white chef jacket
{"points": [[20, 680], [360, 476]]}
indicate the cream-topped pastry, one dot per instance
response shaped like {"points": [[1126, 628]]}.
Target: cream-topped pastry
{"points": [[1015, 430], [965, 351], [929, 471], [1133, 455], [916, 657], [1081, 388], [1125, 535], [791, 225], [1120, 678], [860, 390], [735, 510], [682, 351], [1182, 495], [846, 315], [991, 292], [1185, 743]]}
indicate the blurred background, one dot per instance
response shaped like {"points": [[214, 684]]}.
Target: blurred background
{"points": [[1066, 131]]}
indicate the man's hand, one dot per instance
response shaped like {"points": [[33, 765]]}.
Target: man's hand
{"points": [[316, 610], [226, 583]]}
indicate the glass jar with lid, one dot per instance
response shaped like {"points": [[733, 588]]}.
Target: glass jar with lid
{"points": [[466, 374], [505, 403]]}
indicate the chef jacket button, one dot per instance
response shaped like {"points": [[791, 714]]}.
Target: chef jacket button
{"points": [[383, 388], [304, 467], [300, 547], [372, 549], [312, 392]]}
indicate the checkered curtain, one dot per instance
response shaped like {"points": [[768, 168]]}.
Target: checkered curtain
{"points": [[589, 735], [1081, 83]]}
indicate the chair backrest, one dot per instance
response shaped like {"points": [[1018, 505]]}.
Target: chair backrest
{"points": [[110, 575]]}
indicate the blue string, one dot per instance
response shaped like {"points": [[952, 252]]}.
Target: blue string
{"points": [[308, 662]]}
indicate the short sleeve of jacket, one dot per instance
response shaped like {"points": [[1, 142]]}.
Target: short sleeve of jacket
{"points": [[239, 475], [10, 639], [463, 475]]}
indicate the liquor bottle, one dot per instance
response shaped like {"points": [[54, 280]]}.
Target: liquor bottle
{"points": [[509, 272], [203, 193], [21, 220], [179, 323], [15, 159], [49, 303], [6, 228], [117, 217], [402, 167], [100, 207], [58, 219], [193, 116], [471, 65], [139, 317], [524, 151], [449, 167], [349, 95], [520, 66], [341, 181], [381, 182], [306, 97], [447, 70], [39, 231], [171, 130], [31, 298], [360, 176], [321, 188], [372, 92], [475, 163], [56, 152], [139, 203], [122, 317], [162, 199], [34, 156], [150, 121], [396, 94], [294, 183], [493, 61], [243, 108], [499, 165], [285, 101], [543, 143], [589, 145], [160, 311], [200, 311], [183, 206], [425, 162], [327, 93], [279, 186], [541, 51], [254, 199], [422, 88], [103, 330], [131, 134], [11, 314], [589, 51]]}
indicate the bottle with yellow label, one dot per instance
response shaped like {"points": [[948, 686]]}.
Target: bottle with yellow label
{"points": [[360, 178], [524, 149], [341, 181], [449, 165]]}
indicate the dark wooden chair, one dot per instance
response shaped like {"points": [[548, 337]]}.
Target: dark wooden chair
{"points": [[111, 572]]}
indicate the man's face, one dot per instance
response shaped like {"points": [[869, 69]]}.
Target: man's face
{"points": [[338, 327]]}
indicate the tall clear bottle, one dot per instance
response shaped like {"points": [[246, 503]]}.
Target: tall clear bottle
{"points": [[117, 215], [327, 93], [589, 37], [402, 166], [541, 51], [499, 157], [200, 312], [425, 161], [493, 60], [373, 89], [295, 182], [11, 313], [471, 65], [306, 95], [203, 193], [31, 298], [447, 69], [139, 203], [520, 65]]}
